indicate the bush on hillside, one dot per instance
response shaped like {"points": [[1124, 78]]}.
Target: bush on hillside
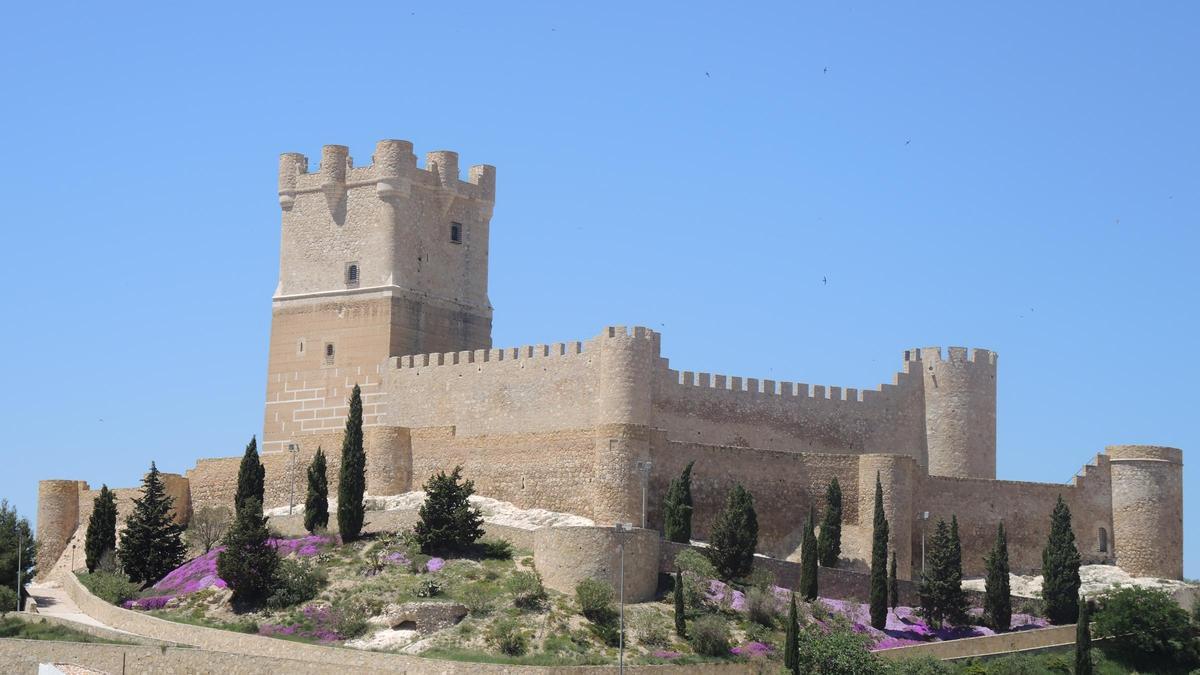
{"points": [[448, 522], [527, 589], [112, 587], [837, 651], [8, 599], [709, 635], [595, 600], [507, 637], [296, 581], [1146, 628], [651, 629]]}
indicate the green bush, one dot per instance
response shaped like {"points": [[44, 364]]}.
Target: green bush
{"points": [[295, 582], [762, 607], [709, 636], [8, 599], [527, 589], [926, 665], [837, 651], [651, 629], [595, 600], [697, 569], [428, 588], [448, 522], [495, 549], [507, 637], [112, 587], [1146, 628], [350, 618], [1196, 612], [477, 597]]}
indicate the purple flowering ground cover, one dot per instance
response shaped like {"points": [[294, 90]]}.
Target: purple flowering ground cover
{"points": [[315, 623]]}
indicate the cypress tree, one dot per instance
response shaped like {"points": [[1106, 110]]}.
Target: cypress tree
{"points": [[251, 475], [102, 528], [791, 645], [893, 585], [829, 543], [680, 616], [808, 561], [152, 544], [1083, 640], [249, 561], [677, 508], [956, 600], [316, 501], [735, 535], [352, 478], [933, 578], [1060, 568], [448, 522], [879, 549], [997, 596]]}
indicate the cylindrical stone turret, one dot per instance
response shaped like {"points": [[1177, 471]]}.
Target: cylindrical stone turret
{"points": [[622, 425], [445, 164], [897, 474], [1147, 504], [291, 165], [389, 458], [960, 412], [57, 520], [393, 160], [333, 168]]}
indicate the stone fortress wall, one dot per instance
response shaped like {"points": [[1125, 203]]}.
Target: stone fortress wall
{"points": [[565, 426]]}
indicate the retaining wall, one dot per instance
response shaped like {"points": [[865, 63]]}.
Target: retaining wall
{"points": [[986, 646]]}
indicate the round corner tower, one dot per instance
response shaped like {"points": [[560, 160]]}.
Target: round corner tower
{"points": [[1147, 504], [57, 520], [622, 430], [897, 477], [960, 412]]}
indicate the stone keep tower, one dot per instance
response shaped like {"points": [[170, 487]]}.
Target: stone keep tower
{"points": [[378, 261], [960, 411]]}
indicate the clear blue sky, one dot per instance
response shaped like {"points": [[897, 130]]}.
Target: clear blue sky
{"points": [[1021, 177]]}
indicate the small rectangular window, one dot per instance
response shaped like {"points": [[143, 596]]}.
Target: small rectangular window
{"points": [[352, 275], [456, 233], [329, 353]]}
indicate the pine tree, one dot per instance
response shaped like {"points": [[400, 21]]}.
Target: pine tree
{"points": [[808, 560], [102, 528], [448, 522], [893, 584], [251, 477], [316, 501], [879, 550], [791, 644], [1060, 568], [942, 597], [249, 560], [677, 508], [17, 545], [829, 543], [735, 535], [352, 479], [997, 596], [680, 615], [152, 544], [1083, 640]]}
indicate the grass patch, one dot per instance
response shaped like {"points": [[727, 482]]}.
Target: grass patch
{"points": [[536, 659], [44, 630]]}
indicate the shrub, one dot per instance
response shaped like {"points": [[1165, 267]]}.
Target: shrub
{"points": [[595, 600], [8, 599], [697, 570], [709, 636], [924, 665], [112, 587], [207, 527], [248, 562], [1146, 628], [836, 652], [1196, 611], [527, 589], [762, 606], [507, 637], [350, 617], [651, 629], [428, 588], [477, 597], [295, 582], [734, 535], [448, 522], [496, 549]]}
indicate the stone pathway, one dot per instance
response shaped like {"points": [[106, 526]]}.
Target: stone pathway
{"points": [[52, 600]]}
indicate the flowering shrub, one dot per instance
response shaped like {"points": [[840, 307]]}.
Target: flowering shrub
{"points": [[156, 602], [905, 627], [316, 622], [753, 649], [434, 564], [666, 654]]}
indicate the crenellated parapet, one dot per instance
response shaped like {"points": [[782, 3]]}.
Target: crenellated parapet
{"points": [[960, 410]]}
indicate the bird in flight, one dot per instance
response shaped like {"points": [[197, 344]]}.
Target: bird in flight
{"points": [[825, 70], [706, 74], [825, 281]]}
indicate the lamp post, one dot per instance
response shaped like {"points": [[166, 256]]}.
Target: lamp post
{"points": [[21, 545], [924, 519], [292, 448], [643, 467], [621, 529]]}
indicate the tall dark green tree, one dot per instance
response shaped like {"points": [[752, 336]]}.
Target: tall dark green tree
{"points": [[997, 596], [791, 643], [680, 611], [352, 478], [879, 556], [893, 584], [734, 535], [316, 499], [808, 560], [249, 561], [829, 542], [102, 528], [942, 598], [1083, 640], [152, 544], [1060, 568], [17, 545], [447, 521], [677, 508], [251, 477]]}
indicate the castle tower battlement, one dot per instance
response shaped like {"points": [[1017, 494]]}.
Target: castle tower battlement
{"points": [[960, 410]]}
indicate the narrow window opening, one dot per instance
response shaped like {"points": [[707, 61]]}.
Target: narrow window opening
{"points": [[456, 233], [300, 347], [329, 353], [1103, 540], [352, 275]]}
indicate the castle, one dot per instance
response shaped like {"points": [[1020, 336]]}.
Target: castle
{"points": [[383, 283]]}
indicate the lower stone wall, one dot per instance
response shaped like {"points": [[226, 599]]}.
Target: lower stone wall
{"points": [[987, 645], [397, 521], [94, 631]]}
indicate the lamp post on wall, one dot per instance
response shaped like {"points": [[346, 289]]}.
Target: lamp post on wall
{"points": [[643, 468], [622, 529], [292, 448], [924, 519], [21, 545]]}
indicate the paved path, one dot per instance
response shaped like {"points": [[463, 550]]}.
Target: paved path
{"points": [[52, 600]]}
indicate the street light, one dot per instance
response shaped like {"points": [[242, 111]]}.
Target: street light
{"points": [[924, 518], [20, 545], [644, 468], [292, 448], [622, 529]]}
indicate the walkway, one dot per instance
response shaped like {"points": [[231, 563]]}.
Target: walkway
{"points": [[52, 600]]}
